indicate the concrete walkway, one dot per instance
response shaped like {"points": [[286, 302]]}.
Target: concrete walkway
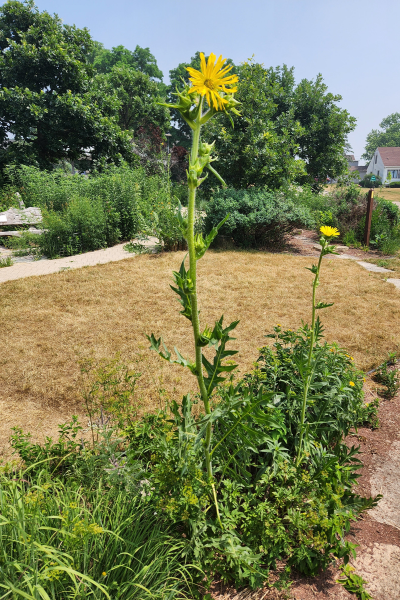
{"points": [[29, 268]]}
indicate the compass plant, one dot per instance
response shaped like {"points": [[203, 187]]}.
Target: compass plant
{"points": [[327, 233], [211, 93]]}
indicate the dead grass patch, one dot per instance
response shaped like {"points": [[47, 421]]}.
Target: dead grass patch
{"points": [[108, 308]]}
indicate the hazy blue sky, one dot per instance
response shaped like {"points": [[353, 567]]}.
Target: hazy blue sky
{"points": [[355, 44]]}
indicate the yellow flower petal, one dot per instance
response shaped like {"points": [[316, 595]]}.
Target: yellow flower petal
{"points": [[352, 383], [211, 80], [328, 231]]}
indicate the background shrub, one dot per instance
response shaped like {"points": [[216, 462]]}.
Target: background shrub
{"points": [[366, 182], [258, 218]]}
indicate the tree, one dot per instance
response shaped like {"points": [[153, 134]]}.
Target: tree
{"points": [[47, 112], [260, 149], [136, 96], [285, 134], [389, 135], [140, 59], [323, 142]]}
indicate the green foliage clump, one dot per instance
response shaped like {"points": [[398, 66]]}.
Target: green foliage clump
{"points": [[257, 218], [354, 583], [58, 539], [84, 213], [367, 183], [388, 377]]}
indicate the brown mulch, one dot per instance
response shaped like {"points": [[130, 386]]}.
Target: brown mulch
{"points": [[303, 244]]}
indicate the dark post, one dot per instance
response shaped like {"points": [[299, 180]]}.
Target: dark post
{"points": [[368, 217]]}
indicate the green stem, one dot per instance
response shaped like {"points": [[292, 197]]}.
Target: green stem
{"points": [[310, 354], [194, 307]]}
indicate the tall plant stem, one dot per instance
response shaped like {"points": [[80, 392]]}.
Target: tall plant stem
{"points": [[195, 310], [309, 359]]}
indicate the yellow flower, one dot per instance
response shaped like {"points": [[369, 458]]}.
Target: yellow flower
{"points": [[104, 573], [329, 231], [352, 383], [212, 80]]}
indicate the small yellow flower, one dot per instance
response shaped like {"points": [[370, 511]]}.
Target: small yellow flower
{"points": [[212, 80], [328, 231], [352, 383], [104, 573]]}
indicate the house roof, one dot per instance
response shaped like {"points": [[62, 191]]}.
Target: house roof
{"points": [[390, 156]]}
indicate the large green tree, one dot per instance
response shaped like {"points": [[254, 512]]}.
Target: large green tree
{"points": [[136, 96], [286, 133], [261, 147], [47, 112], [140, 59], [323, 141], [388, 135]]}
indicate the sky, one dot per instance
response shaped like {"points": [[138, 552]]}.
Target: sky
{"points": [[354, 44]]}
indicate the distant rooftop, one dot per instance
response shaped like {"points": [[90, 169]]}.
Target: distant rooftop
{"points": [[390, 156]]}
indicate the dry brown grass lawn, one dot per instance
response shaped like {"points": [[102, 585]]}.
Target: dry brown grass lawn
{"points": [[108, 308], [392, 194]]}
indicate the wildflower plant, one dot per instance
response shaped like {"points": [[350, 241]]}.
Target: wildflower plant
{"points": [[327, 233], [211, 93]]}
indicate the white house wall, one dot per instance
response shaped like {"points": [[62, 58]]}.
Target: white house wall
{"points": [[379, 169]]}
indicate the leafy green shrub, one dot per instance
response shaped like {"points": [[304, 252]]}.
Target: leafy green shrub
{"points": [[257, 218], [394, 184], [385, 231], [367, 183], [84, 225]]}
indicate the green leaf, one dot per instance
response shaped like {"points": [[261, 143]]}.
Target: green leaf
{"points": [[155, 344], [184, 289], [323, 305], [215, 369], [210, 237]]}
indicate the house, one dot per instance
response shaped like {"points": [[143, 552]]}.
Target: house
{"points": [[358, 171], [386, 159]]}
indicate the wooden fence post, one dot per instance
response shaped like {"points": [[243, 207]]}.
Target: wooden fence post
{"points": [[368, 217]]}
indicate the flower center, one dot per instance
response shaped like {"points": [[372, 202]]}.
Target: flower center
{"points": [[210, 84]]}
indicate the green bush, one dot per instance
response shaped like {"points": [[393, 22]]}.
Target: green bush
{"points": [[84, 213], [58, 541], [385, 226], [257, 218], [367, 183], [82, 226], [394, 184]]}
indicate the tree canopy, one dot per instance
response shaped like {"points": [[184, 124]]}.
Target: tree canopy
{"points": [[286, 133], [47, 111], [140, 59], [388, 135]]}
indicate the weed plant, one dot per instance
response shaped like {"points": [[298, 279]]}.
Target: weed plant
{"points": [[388, 377], [6, 262]]}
